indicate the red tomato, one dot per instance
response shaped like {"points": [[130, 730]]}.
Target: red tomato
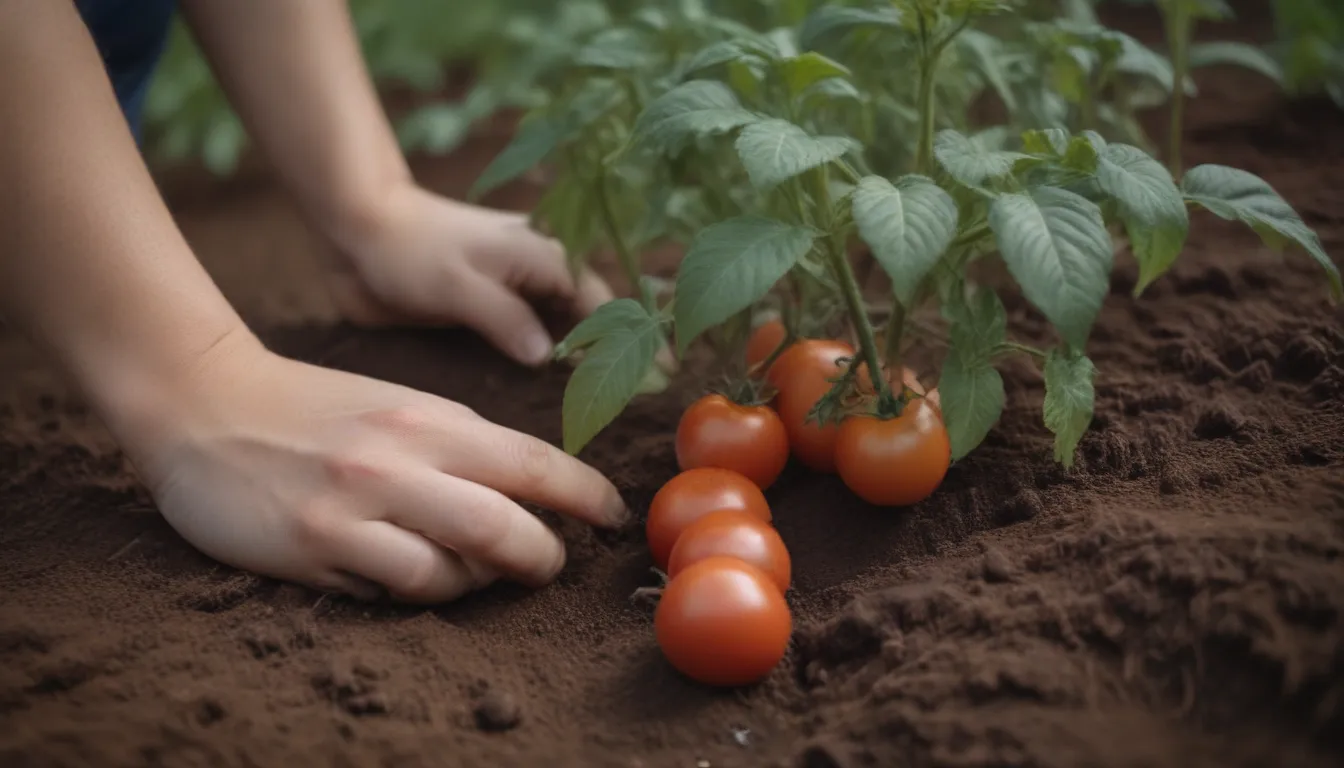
{"points": [[894, 462], [723, 622], [750, 440], [693, 494], [764, 341], [802, 376], [733, 534]]}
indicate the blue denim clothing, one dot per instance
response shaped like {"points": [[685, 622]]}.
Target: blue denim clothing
{"points": [[130, 35]]}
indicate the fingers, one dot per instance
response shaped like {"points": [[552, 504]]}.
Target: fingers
{"points": [[528, 468], [477, 523], [410, 567], [593, 292], [506, 321]]}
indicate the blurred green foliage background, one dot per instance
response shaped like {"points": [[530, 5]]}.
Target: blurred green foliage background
{"points": [[510, 44]]}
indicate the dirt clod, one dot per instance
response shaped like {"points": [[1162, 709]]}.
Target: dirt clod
{"points": [[497, 711]]}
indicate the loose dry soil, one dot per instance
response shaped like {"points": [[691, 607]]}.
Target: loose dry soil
{"points": [[1176, 600]]}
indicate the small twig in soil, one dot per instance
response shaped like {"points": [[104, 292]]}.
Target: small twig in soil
{"points": [[122, 552], [650, 595]]}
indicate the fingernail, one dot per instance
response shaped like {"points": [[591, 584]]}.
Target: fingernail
{"points": [[535, 348], [617, 512]]}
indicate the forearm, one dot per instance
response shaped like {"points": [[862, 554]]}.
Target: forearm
{"points": [[294, 72], [92, 265]]}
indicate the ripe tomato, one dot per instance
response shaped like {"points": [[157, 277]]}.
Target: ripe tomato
{"points": [[750, 440], [690, 496], [723, 622], [801, 375], [894, 462], [733, 534], [764, 341]]}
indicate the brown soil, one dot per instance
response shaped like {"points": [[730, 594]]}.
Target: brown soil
{"points": [[1178, 599]]}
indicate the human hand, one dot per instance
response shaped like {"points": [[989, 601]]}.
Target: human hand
{"points": [[429, 260], [339, 481]]}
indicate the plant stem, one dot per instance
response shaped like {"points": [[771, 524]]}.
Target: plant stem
{"points": [[1026, 349], [970, 236], [849, 287], [895, 336], [629, 261], [924, 154], [1177, 20]]}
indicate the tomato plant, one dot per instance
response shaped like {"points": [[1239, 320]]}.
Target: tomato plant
{"points": [[733, 534], [723, 622], [774, 153], [693, 494], [894, 462], [748, 439]]}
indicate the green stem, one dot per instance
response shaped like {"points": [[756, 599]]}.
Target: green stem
{"points": [[970, 236], [928, 66], [1178, 42], [849, 287], [1026, 349], [895, 336], [629, 261]]}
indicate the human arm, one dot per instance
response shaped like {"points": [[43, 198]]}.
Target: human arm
{"points": [[264, 463], [294, 72]]}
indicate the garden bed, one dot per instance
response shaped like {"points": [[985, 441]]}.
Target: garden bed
{"points": [[1175, 599]]}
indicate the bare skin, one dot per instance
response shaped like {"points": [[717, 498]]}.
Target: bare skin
{"points": [[325, 478]]}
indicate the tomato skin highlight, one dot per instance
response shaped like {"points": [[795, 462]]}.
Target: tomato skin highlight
{"points": [[748, 439], [723, 622], [764, 341], [690, 496], [733, 534], [802, 376], [894, 462]]}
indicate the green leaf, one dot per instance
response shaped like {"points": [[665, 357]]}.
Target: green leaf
{"points": [[613, 317], [908, 225], [689, 111], [1069, 401], [536, 138], [612, 372], [986, 52], [830, 19], [1237, 55], [1057, 248], [618, 49], [970, 389], [1151, 206], [224, 145], [1052, 142], [729, 266], [971, 398], [773, 151], [979, 323], [1139, 60], [808, 68], [1238, 195], [716, 54], [970, 163]]}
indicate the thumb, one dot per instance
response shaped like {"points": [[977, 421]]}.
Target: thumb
{"points": [[506, 321]]}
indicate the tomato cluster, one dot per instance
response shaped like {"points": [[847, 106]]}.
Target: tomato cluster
{"points": [[722, 618], [886, 461]]}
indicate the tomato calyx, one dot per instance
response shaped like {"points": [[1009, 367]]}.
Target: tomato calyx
{"points": [[748, 391]]}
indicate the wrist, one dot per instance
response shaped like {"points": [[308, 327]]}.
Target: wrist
{"points": [[354, 213], [149, 400]]}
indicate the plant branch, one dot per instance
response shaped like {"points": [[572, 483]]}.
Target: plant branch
{"points": [[1177, 22], [629, 260], [849, 287], [1026, 349]]}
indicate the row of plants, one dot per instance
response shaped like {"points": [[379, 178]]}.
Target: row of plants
{"points": [[790, 160]]}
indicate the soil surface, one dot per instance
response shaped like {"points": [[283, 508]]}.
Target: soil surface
{"points": [[1175, 600]]}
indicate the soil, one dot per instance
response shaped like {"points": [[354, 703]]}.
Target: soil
{"points": [[1175, 600]]}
